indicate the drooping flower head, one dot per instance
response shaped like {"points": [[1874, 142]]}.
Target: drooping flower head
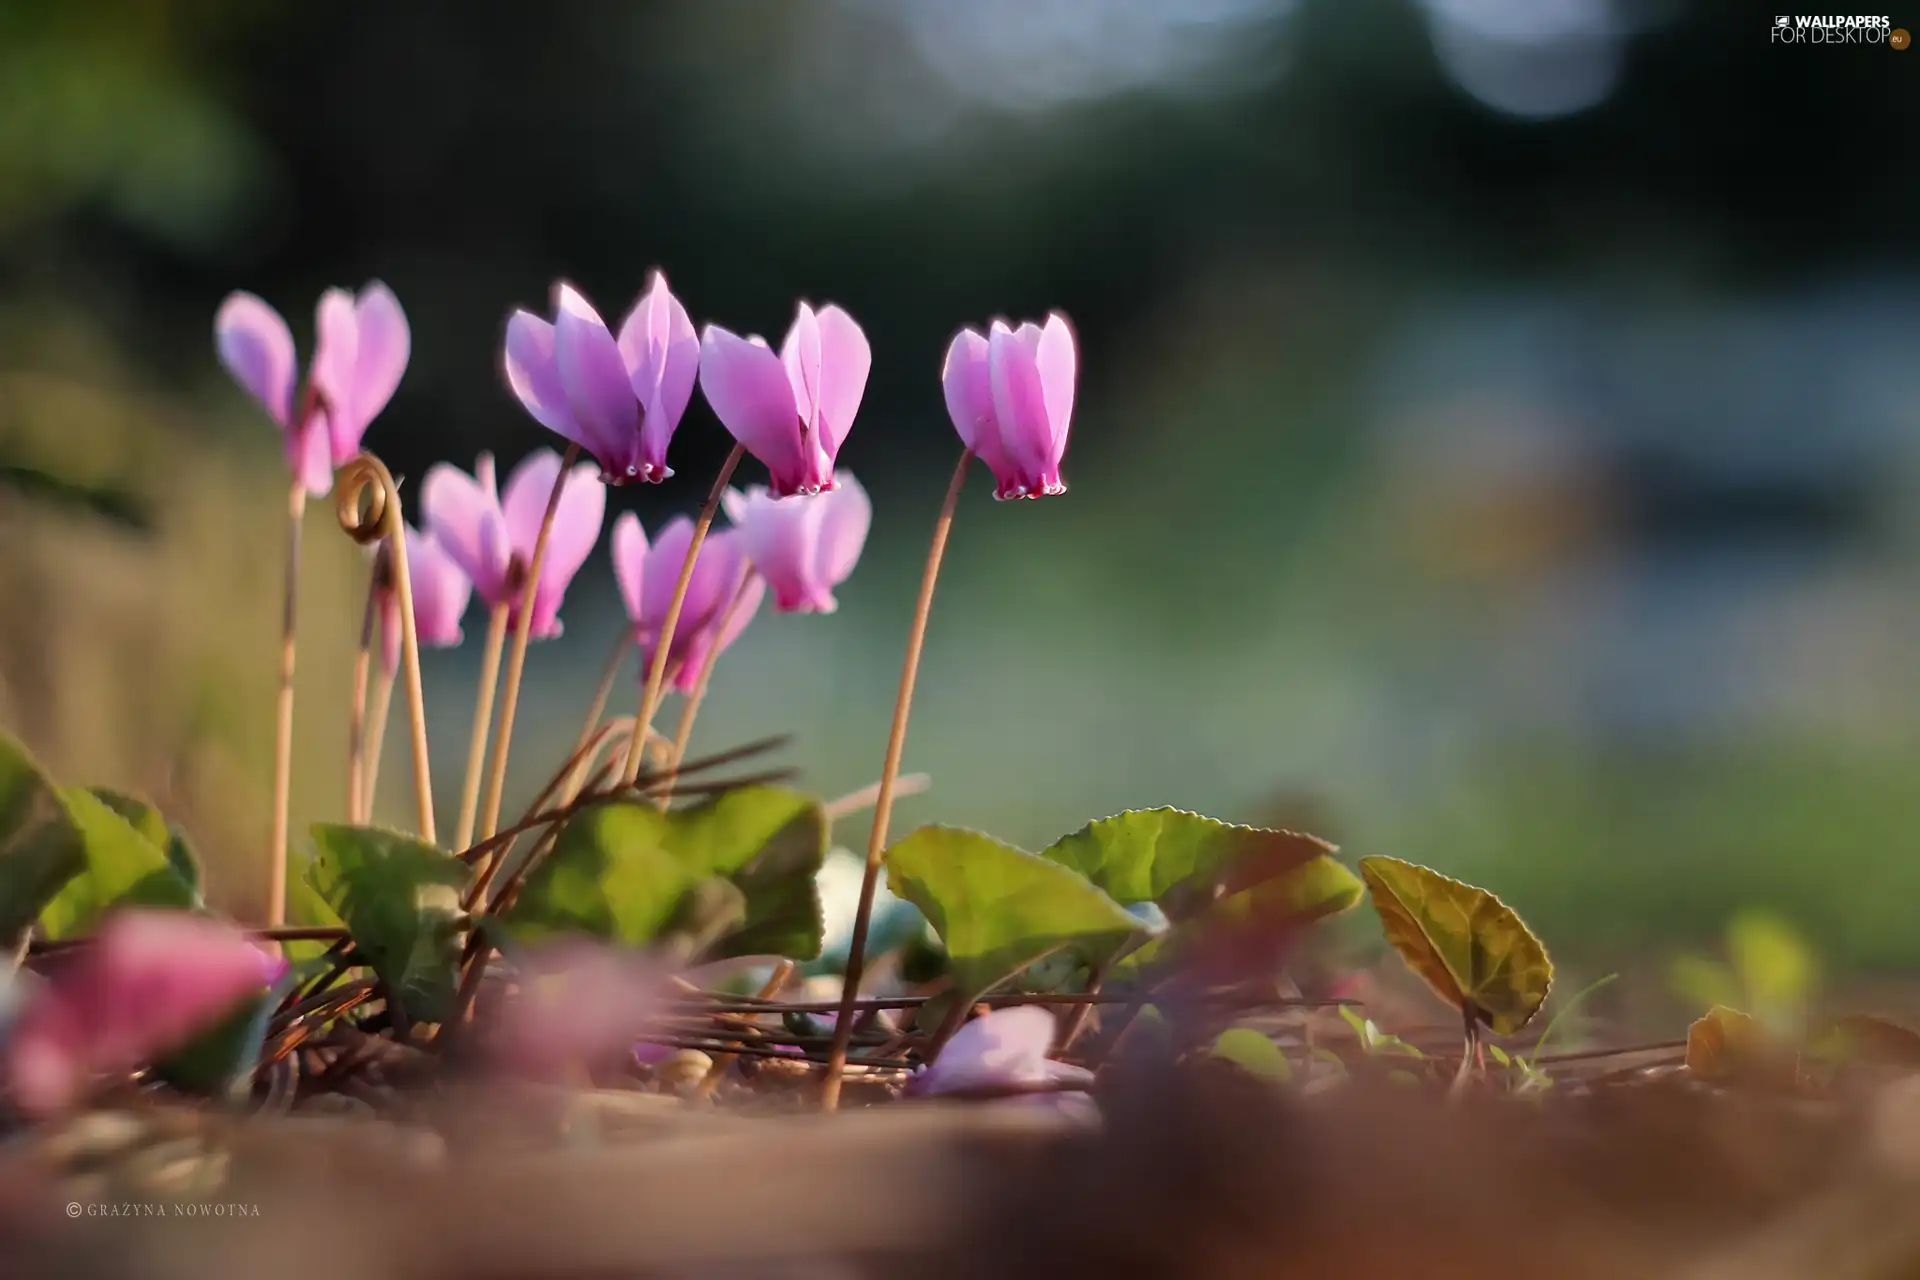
{"points": [[143, 986], [1010, 395], [361, 349], [792, 410], [719, 602], [803, 546], [618, 400], [493, 541], [440, 595]]}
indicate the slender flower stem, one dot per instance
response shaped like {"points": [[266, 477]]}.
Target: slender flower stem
{"points": [[889, 772], [690, 708], [576, 771], [482, 721], [517, 658], [663, 646], [376, 738], [283, 715], [357, 708], [366, 474], [910, 784]]}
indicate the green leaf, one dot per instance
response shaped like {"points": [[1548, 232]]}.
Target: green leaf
{"points": [[1183, 862], [621, 871], [185, 862], [1374, 1041], [141, 815], [40, 845], [1468, 945], [151, 823], [400, 900], [122, 868], [1254, 1053], [306, 907], [217, 1061], [998, 909]]}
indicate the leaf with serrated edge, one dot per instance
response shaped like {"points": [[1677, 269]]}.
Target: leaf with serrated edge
{"points": [[998, 909], [400, 900], [1727, 1046], [40, 844], [1468, 945], [620, 871], [123, 869]]}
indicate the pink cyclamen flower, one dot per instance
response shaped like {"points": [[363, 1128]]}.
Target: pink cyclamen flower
{"points": [[492, 541], [361, 350], [618, 400], [1004, 1049], [1010, 396], [440, 595], [578, 1002], [143, 986], [803, 546], [711, 618], [793, 410]]}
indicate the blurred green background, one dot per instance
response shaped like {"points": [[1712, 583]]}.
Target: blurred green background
{"points": [[1496, 445]]}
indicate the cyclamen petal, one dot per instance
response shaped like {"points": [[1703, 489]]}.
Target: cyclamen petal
{"points": [[361, 350], [360, 353], [803, 546], [1010, 395], [494, 544], [619, 399], [710, 620], [792, 410], [662, 355], [144, 985], [441, 592], [1006, 1048]]}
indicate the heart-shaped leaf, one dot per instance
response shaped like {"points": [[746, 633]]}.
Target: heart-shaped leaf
{"points": [[1468, 945], [621, 871], [1142, 855], [122, 868], [400, 900], [163, 835], [40, 846], [998, 909]]}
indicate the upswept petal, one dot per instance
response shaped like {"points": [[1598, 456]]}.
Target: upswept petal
{"points": [[630, 563], [845, 361], [311, 456], [255, 346], [1058, 361], [336, 348], [800, 355], [844, 523], [1019, 401], [441, 591], [534, 378], [664, 562], [662, 355], [746, 383], [968, 385], [386, 344], [576, 530], [462, 513], [599, 392], [780, 536], [740, 611]]}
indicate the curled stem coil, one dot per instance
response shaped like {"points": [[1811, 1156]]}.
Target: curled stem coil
{"points": [[366, 477]]}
